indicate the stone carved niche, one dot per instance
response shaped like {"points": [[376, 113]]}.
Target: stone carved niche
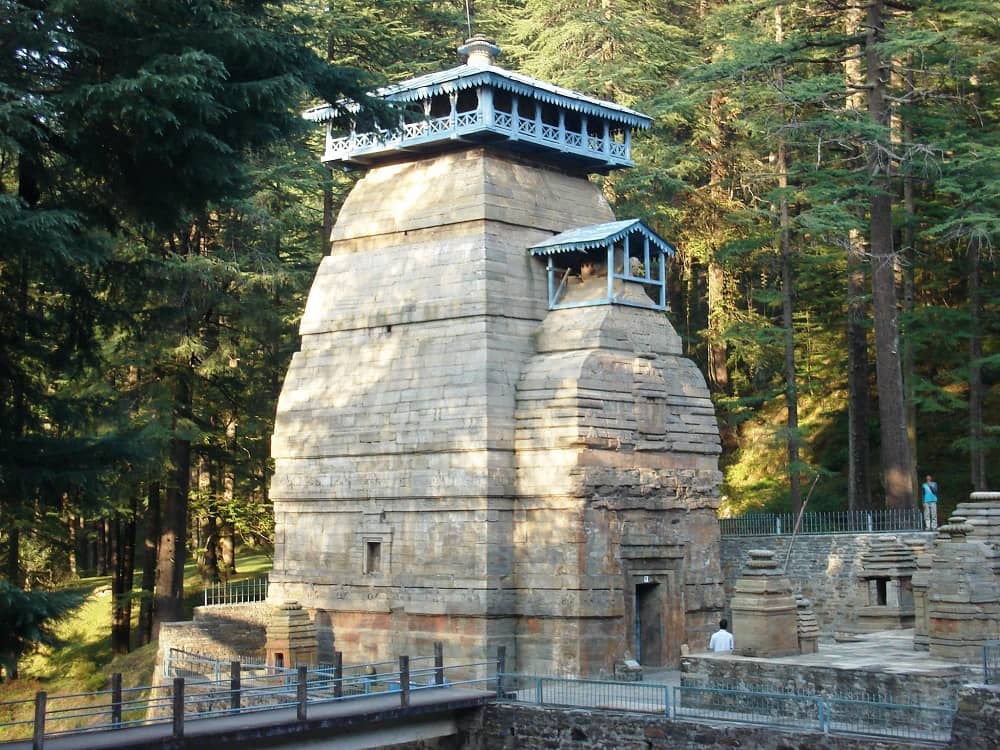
{"points": [[887, 569], [291, 637], [765, 620]]}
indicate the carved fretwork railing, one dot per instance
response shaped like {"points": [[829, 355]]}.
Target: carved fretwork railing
{"points": [[457, 125]]}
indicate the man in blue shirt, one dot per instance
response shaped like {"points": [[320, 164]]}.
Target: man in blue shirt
{"points": [[930, 490]]}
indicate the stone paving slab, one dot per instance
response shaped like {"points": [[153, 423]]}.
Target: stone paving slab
{"points": [[889, 651]]}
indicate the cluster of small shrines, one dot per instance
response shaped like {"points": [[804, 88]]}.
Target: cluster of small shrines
{"points": [[490, 435]]}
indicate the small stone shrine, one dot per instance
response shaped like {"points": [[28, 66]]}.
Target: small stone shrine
{"points": [[291, 637], [887, 569], [765, 616], [982, 513], [489, 435], [808, 626], [963, 595]]}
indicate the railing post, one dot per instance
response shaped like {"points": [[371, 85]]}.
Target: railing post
{"points": [[404, 680], [824, 716], [438, 663], [501, 668], [38, 732], [178, 707], [116, 699], [338, 674], [538, 691], [301, 695], [234, 686]]}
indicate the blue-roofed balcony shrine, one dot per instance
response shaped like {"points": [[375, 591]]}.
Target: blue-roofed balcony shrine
{"points": [[481, 103]]}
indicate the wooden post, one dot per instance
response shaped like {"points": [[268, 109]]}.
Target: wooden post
{"points": [[501, 668], [404, 680], [235, 686], [302, 694], [178, 707], [38, 734], [116, 699], [438, 663], [338, 674]]}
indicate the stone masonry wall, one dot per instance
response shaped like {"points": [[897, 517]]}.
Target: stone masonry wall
{"points": [[506, 727], [395, 425], [823, 568], [927, 689], [977, 723], [222, 631], [617, 450]]}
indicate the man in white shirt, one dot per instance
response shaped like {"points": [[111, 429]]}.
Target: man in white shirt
{"points": [[722, 639]]}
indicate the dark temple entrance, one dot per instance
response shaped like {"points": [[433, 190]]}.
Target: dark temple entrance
{"points": [[649, 607]]}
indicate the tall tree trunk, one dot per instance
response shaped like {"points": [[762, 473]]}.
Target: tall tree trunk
{"points": [[208, 525], [905, 270], [169, 600], [227, 542], [718, 368], [102, 529], [859, 493], [149, 556], [792, 440], [123, 565], [977, 390], [897, 473]]}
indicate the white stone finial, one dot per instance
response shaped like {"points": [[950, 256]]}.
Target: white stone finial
{"points": [[480, 51]]}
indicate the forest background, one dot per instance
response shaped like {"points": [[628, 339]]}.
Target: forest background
{"points": [[826, 168]]}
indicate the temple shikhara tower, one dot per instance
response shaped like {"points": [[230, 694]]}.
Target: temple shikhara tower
{"points": [[489, 435]]}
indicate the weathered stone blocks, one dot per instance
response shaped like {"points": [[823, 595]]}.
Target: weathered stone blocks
{"points": [[453, 462], [765, 622]]}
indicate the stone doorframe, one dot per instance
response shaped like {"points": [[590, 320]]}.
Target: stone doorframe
{"points": [[662, 565]]}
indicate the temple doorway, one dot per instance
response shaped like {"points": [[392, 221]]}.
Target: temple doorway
{"points": [[649, 608]]}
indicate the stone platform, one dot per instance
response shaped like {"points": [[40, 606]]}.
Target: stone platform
{"points": [[879, 665]]}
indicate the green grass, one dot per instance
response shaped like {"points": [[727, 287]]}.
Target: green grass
{"points": [[84, 662]]}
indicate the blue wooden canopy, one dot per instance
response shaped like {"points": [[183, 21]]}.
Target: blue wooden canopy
{"points": [[599, 235], [481, 103], [632, 252]]}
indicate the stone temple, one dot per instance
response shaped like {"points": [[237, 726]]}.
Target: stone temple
{"points": [[489, 436]]}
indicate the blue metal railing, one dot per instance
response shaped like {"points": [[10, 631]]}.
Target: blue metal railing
{"points": [[197, 695], [811, 713], [632, 697], [267, 688], [787, 710], [831, 522]]}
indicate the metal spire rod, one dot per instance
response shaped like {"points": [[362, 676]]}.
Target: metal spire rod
{"points": [[468, 18]]}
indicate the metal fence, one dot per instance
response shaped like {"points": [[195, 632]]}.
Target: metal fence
{"points": [[815, 713], [831, 522], [257, 688], [868, 718], [237, 592], [262, 688], [633, 697], [991, 662]]}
